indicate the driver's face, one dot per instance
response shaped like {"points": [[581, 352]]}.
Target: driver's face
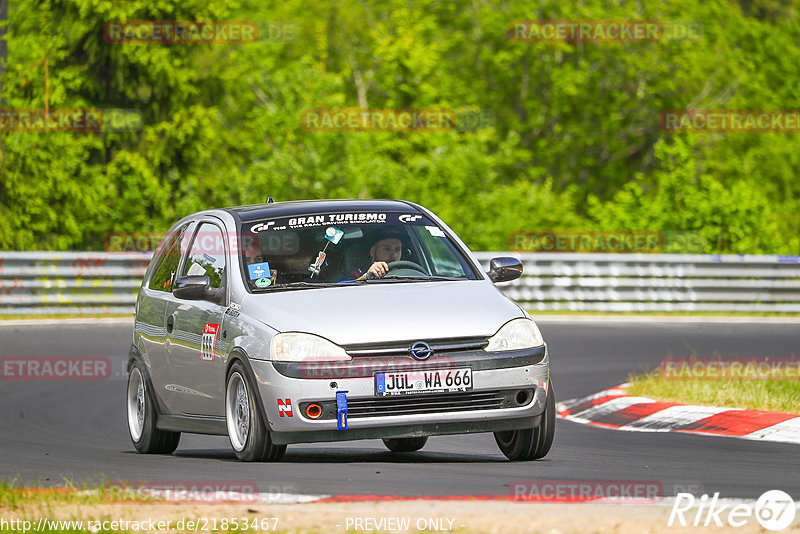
{"points": [[388, 250]]}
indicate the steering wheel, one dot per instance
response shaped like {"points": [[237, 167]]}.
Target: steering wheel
{"points": [[404, 264]]}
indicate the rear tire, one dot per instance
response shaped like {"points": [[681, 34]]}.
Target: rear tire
{"points": [[247, 429], [531, 443], [142, 417], [405, 444]]}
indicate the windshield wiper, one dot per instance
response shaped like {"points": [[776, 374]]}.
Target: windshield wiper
{"points": [[389, 278], [398, 278], [299, 285]]}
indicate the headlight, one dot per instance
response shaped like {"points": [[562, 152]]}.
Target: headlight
{"points": [[299, 347], [514, 335]]}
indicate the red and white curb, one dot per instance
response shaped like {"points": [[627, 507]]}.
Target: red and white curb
{"points": [[614, 408]]}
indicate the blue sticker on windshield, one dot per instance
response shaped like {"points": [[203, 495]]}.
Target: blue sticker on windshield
{"points": [[333, 234], [258, 270], [341, 410]]}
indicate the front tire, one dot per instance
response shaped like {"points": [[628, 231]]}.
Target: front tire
{"points": [[405, 444], [142, 417], [247, 430], [531, 443]]}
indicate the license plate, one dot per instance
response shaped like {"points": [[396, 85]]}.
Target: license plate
{"points": [[415, 382]]}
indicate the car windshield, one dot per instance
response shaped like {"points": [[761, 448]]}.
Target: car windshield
{"points": [[339, 248]]}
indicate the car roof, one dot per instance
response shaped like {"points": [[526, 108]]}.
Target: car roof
{"points": [[310, 207]]}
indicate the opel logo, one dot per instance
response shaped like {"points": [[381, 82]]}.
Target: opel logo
{"points": [[421, 350]]}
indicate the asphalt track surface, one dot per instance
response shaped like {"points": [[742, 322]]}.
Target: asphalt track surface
{"points": [[76, 430]]}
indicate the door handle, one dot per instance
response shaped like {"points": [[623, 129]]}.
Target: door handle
{"points": [[171, 323]]}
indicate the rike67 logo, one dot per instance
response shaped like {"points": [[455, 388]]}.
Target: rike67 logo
{"points": [[774, 510]]}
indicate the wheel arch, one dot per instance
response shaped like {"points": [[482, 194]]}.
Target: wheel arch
{"points": [[135, 356], [238, 354]]}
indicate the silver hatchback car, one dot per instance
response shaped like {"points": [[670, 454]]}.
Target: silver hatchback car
{"points": [[332, 320]]}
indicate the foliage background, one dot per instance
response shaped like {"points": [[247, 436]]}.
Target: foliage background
{"points": [[576, 143]]}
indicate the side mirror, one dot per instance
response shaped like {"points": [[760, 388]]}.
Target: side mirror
{"points": [[194, 287], [504, 269]]}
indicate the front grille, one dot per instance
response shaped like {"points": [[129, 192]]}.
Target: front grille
{"points": [[439, 346], [421, 404], [429, 404]]}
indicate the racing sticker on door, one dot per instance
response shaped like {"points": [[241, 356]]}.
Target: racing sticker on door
{"points": [[285, 407], [209, 342]]}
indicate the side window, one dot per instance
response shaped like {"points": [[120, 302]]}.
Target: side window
{"points": [[207, 255], [167, 262], [441, 252]]}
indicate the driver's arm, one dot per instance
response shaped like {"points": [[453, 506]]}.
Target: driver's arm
{"points": [[376, 270]]}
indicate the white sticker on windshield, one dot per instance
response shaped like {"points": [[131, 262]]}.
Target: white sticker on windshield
{"points": [[435, 231]]}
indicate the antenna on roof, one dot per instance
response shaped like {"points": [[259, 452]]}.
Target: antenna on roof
{"points": [[270, 201]]}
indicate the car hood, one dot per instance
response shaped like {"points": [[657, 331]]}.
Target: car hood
{"points": [[386, 312]]}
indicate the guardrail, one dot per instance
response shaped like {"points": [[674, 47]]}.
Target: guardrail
{"points": [[45, 283], [655, 282], [39, 283]]}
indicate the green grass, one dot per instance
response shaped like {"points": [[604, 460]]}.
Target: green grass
{"points": [[16, 496], [13, 494], [771, 395]]}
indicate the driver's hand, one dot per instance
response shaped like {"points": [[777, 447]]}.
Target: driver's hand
{"points": [[377, 269]]}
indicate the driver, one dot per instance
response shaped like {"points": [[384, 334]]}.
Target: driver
{"points": [[383, 253]]}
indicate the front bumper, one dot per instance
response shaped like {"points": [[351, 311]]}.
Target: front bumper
{"points": [[500, 379]]}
